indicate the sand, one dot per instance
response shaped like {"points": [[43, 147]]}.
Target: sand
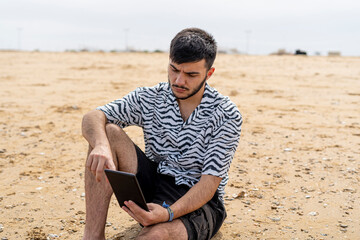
{"points": [[295, 174]]}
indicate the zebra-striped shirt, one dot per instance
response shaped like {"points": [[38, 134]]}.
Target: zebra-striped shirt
{"points": [[204, 144]]}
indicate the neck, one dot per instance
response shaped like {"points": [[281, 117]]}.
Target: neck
{"points": [[187, 106]]}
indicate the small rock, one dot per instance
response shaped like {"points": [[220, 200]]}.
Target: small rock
{"points": [[3, 150], [1, 228], [80, 212], [275, 219], [313, 213], [53, 235], [239, 195], [82, 195], [287, 149], [349, 190], [307, 196], [39, 188], [343, 226]]}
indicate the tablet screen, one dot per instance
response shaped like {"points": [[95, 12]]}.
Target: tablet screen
{"points": [[126, 187]]}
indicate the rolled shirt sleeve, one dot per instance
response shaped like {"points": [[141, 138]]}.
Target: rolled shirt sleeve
{"points": [[126, 111]]}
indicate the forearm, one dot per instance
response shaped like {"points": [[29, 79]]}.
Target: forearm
{"points": [[93, 128], [197, 196]]}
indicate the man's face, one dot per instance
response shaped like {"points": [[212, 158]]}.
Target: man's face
{"points": [[188, 79]]}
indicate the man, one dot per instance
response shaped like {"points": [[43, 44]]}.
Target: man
{"points": [[191, 133]]}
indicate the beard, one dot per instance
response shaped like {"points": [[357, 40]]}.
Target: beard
{"points": [[195, 91]]}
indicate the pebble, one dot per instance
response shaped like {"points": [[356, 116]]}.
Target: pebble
{"points": [[349, 190], [343, 225], [3, 150], [239, 195], [53, 235], [83, 194], [1, 228], [287, 149], [275, 219], [313, 213]]}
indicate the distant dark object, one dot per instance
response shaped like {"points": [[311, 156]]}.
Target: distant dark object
{"points": [[299, 52], [281, 52], [334, 54]]}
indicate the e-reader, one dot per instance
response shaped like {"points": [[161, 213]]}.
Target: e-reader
{"points": [[126, 187]]}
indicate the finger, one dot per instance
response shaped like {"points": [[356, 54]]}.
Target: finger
{"points": [[151, 205], [89, 162], [134, 208], [100, 169], [131, 214], [110, 164], [94, 164]]}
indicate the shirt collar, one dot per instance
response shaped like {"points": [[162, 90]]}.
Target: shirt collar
{"points": [[207, 104], [208, 97]]}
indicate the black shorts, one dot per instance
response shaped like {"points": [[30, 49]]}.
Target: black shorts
{"points": [[203, 223]]}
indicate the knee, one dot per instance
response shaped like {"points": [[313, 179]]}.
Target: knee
{"points": [[112, 128], [113, 131]]}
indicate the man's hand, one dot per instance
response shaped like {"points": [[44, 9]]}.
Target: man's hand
{"points": [[155, 215], [99, 159]]}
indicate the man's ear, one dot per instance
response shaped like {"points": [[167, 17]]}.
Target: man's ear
{"points": [[210, 73]]}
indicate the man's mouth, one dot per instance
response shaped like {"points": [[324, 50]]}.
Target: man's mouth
{"points": [[179, 89]]}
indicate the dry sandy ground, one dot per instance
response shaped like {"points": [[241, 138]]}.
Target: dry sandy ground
{"points": [[295, 174]]}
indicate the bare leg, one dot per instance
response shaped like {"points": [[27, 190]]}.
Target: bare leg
{"points": [[171, 230], [98, 194]]}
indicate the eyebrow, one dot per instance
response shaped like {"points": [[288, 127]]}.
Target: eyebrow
{"points": [[190, 73]]}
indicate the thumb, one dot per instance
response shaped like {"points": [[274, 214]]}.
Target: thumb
{"points": [[110, 165]]}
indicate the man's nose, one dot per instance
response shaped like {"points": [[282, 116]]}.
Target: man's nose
{"points": [[180, 79]]}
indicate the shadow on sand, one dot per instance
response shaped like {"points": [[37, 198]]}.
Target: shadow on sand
{"points": [[132, 231]]}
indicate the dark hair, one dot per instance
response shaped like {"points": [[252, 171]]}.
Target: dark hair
{"points": [[192, 45]]}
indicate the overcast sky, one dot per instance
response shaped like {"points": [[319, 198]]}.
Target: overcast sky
{"points": [[254, 26]]}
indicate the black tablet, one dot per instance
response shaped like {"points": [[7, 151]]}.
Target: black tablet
{"points": [[126, 187]]}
